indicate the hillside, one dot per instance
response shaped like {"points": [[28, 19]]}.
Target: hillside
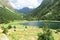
{"points": [[48, 10], [7, 15]]}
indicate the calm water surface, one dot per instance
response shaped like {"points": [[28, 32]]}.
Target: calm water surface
{"points": [[41, 24]]}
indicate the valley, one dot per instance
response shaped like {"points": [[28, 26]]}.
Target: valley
{"points": [[41, 23]]}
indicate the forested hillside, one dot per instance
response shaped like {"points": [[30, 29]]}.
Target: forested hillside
{"points": [[48, 10], [7, 15]]}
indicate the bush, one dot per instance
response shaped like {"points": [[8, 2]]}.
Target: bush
{"points": [[46, 35], [25, 26], [9, 27], [14, 28], [5, 30]]}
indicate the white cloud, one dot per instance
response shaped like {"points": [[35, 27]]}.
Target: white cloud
{"points": [[18, 4]]}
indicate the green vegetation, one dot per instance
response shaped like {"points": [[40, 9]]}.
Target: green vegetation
{"points": [[13, 36], [48, 10], [7, 16], [9, 27], [46, 35], [29, 33], [5, 31]]}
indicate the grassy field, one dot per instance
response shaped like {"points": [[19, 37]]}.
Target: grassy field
{"points": [[22, 33]]}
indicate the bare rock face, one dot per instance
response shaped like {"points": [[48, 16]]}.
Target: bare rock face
{"points": [[5, 3]]}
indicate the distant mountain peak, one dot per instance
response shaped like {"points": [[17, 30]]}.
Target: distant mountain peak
{"points": [[24, 10]]}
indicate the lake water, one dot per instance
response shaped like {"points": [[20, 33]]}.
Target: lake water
{"points": [[42, 24]]}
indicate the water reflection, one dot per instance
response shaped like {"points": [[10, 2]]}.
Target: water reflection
{"points": [[41, 24]]}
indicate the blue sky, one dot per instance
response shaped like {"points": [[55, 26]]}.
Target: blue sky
{"points": [[19, 4]]}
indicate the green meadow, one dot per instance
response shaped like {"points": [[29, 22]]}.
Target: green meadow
{"points": [[22, 33]]}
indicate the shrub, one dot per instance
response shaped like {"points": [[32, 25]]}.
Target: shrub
{"points": [[46, 35], [9, 27], [5, 30], [14, 28], [25, 26]]}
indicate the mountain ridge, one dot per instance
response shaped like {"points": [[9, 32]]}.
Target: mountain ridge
{"points": [[47, 6], [24, 10]]}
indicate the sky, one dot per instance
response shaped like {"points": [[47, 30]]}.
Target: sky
{"points": [[19, 4]]}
